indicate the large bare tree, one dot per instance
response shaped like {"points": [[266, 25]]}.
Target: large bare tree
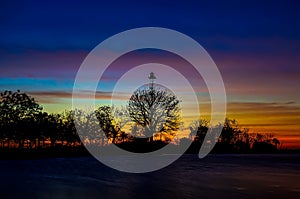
{"points": [[156, 110]]}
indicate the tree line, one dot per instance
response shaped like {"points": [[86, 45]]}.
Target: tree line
{"points": [[152, 116], [23, 124], [233, 138]]}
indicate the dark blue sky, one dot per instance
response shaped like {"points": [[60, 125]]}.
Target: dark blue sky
{"points": [[250, 41], [68, 25]]}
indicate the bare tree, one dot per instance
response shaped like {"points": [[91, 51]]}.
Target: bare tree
{"points": [[157, 111]]}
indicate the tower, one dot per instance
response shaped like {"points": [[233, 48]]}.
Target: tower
{"points": [[151, 77]]}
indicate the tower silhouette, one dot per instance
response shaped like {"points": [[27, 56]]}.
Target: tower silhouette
{"points": [[151, 77]]}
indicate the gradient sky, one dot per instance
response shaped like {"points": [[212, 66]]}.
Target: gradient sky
{"points": [[255, 44]]}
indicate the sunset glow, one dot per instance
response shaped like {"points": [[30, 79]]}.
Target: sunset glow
{"points": [[41, 52]]}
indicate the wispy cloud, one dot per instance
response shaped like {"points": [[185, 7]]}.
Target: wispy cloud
{"points": [[58, 96]]}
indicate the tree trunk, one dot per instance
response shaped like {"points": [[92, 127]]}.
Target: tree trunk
{"points": [[52, 143], [20, 144], [151, 139], [39, 143]]}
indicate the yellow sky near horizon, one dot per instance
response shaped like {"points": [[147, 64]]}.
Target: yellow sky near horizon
{"points": [[280, 119]]}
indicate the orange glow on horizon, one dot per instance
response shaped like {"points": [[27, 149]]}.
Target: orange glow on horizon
{"points": [[282, 120]]}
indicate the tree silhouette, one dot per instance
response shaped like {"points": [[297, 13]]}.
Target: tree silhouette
{"points": [[230, 132], [67, 128], [150, 113], [276, 142], [50, 128], [17, 116], [198, 130], [42, 131], [88, 126], [156, 111], [112, 120], [104, 116]]}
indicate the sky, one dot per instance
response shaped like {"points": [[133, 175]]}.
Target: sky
{"points": [[255, 45]]}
